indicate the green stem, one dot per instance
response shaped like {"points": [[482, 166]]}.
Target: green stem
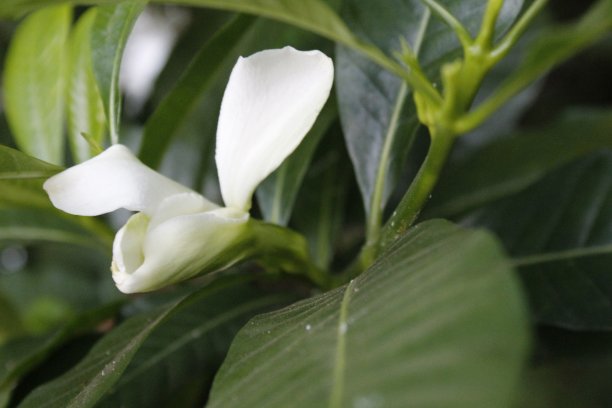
{"points": [[517, 30], [420, 190], [460, 31], [487, 28], [283, 249]]}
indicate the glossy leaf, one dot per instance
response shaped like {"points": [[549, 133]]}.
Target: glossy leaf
{"points": [[173, 110], [511, 164], [86, 118], [216, 307], [34, 78], [438, 322], [560, 232], [109, 35], [276, 194], [377, 113]]}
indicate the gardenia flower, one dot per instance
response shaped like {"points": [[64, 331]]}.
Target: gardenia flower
{"points": [[271, 101]]}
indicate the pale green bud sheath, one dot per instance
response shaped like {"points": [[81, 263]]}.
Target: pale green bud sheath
{"points": [[272, 99]]}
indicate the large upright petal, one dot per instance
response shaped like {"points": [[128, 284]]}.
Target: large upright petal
{"points": [[113, 179], [271, 101]]}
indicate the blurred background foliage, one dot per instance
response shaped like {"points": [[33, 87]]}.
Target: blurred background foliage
{"points": [[58, 299]]}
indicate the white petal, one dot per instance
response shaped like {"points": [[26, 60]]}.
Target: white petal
{"points": [[113, 179], [271, 101], [176, 249]]}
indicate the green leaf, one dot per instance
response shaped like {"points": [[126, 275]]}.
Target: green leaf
{"points": [[560, 233], [26, 212], [34, 77], [378, 116], [85, 108], [15, 165], [277, 193], [109, 34], [174, 109], [21, 178], [38, 224], [312, 15], [322, 200], [21, 356], [11, 324], [511, 164], [438, 322], [216, 307]]}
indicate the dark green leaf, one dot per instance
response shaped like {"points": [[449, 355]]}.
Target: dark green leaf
{"points": [[85, 108], [109, 35], [322, 200], [276, 194], [218, 307], [173, 110], [20, 356], [437, 322], [511, 164], [560, 231], [34, 78], [378, 117]]}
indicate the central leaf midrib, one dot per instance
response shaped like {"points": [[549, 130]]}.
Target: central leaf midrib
{"points": [[338, 377]]}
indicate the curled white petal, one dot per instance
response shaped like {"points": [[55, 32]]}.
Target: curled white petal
{"points": [[271, 101], [150, 253], [113, 179]]}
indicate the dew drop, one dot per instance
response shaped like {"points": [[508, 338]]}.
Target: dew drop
{"points": [[308, 327], [343, 328]]}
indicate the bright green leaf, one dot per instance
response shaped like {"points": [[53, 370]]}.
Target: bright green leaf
{"points": [[34, 78], [86, 118], [438, 322], [109, 35]]}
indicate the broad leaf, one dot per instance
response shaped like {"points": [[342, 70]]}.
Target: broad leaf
{"points": [[109, 35], [511, 164], [217, 308], [34, 78], [277, 193], [438, 322], [174, 109], [560, 231], [376, 109], [86, 120]]}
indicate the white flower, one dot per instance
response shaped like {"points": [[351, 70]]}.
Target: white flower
{"points": [[271, 101]]}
